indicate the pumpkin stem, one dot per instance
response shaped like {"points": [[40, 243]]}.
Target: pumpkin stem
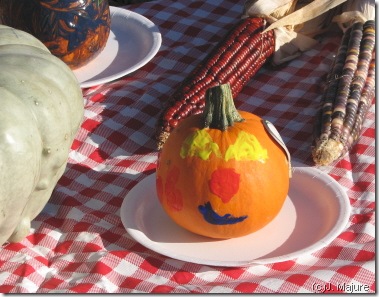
{"points": [[220, 111]]}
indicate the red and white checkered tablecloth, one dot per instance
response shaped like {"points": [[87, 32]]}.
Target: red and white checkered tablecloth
{"points": [[78, 243]]}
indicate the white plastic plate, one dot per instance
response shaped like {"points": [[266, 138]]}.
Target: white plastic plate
{"points": [[133, 41], [316, 211]]}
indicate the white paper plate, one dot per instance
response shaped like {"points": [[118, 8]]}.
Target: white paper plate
{"points": [[315, 212], [133, 41]]}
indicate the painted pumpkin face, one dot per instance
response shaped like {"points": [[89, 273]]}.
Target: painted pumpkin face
{"points": [[222, 184]]}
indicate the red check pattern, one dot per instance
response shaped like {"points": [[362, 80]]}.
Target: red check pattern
{"points": [[78, 243]]}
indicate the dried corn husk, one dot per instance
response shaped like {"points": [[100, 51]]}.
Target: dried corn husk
{"points": [[355, 11], [297, 22], [272, 10]]}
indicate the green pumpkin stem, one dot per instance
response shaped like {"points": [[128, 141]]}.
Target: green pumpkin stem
{"points": [[220, 111]]}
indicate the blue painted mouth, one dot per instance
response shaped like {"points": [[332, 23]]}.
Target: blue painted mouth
{"points": [[213, 218]]}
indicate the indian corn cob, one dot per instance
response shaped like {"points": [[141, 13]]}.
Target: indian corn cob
{"points": [[348, 95], [234, 60]]}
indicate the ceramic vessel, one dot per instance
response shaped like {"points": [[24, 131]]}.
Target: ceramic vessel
{"points": [[75, 31]]}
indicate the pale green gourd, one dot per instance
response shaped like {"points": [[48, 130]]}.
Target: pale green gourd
{"points": [[41, 109]]}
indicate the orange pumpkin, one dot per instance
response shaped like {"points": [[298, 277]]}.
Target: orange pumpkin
{"points": [[221, 174]]}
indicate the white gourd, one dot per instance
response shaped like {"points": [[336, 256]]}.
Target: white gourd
{"points": [[41, 109]]}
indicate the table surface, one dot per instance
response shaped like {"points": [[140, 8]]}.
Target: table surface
{"points": [[78, 243]]}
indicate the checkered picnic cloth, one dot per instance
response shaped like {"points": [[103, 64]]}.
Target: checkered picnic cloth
{"points": [[78, 243]]}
